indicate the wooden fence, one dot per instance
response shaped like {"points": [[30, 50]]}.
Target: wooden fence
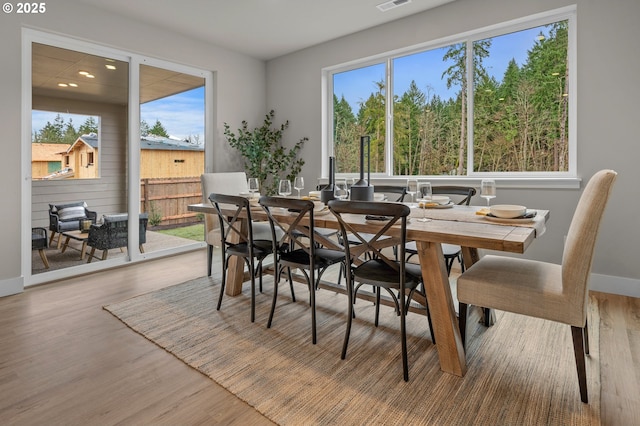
{"points": [[166, 200]]}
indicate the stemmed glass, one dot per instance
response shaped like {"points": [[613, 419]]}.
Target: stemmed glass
{"points": [[284, 189], [424, 196], [298, 184], [340, 190], [412, 188], [488, 190], [254, 186]]}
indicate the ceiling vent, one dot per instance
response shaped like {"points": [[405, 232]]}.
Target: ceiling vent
{"points": [[388, 5]]}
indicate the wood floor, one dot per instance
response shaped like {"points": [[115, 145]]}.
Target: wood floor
{"points": [[64, 360]]}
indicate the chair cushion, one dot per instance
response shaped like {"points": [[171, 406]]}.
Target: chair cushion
{"points": [[379, 273], [71, 213], [521, 286], [115, 217], [55, 207]]}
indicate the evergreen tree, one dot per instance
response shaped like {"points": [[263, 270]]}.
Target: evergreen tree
{"points": [[159, 130], [89, 126], [144, 128]]}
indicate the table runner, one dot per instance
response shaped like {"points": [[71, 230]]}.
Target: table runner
{"points": [[468, 214]]}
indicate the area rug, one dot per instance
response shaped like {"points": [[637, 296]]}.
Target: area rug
{"points": [[521, 371]]}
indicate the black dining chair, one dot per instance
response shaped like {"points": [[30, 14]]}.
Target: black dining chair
{"points": [[379, 269], [297, 247], [463, 195], [243, 245]]}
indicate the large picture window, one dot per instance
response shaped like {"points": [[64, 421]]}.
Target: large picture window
{"points": [[503, 109]]}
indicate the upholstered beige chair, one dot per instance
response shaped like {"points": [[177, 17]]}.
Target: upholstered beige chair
{"points": [[230, 183], [545, 290]]}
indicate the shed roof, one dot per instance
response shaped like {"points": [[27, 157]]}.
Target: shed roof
{"points": [[168, 144]]}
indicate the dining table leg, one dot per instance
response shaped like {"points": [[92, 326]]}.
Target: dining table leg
{"points": [[235, 271], [443, 314]]}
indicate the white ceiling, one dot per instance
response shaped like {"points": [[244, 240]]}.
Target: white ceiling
{"points": [[264, 29]]}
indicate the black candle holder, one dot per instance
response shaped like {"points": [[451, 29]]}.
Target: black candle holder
{"points": [[362, 190], [326, 194]]}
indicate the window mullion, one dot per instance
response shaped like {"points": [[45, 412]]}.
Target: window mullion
{"points": [[470, 114], [389, 113]]}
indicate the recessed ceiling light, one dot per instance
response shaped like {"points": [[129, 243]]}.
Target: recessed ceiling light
{"points": [[83, 72], [62, 84], [392, 4], [90, 76], [73, 85], [110, 67]]}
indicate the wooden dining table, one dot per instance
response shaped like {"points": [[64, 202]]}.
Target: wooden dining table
{"points": [[460, 225]]}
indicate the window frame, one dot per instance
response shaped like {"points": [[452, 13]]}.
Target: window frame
{"points": [[564, 179]]}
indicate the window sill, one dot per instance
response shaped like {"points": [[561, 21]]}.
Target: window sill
{"points": [[501, 182]]}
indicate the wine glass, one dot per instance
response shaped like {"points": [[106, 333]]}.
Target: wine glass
{"points": [[284, 189], [298, 184], [488, 190], [424, 196], [340, 190], [254, 186], [412, 188]]}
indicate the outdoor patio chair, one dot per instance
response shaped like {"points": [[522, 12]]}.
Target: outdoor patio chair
{"points": [[39, 242], [67, 217], [114, 233]]}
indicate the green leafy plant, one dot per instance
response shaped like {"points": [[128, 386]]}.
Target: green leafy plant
{"points": [[264, 156], [155, 216]]}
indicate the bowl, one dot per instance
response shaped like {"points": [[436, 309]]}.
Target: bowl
{"points": [[507, 211], [440, 199]]}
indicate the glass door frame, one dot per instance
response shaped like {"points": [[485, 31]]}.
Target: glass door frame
{"points": [[30, 36]]}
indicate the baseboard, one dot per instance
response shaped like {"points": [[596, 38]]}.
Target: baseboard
{"points": [[616, 285], [11, 286]]}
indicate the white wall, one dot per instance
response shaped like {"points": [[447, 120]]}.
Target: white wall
{"points": [[240, 94], [608, 113]]}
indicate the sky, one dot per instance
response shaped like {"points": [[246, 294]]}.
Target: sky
{"points": [[182, 115], [426, 68]]}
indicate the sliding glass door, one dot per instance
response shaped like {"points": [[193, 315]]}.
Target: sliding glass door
{"points": [[111, 133]]}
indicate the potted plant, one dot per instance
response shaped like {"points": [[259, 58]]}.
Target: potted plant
{"points": [[264, 156]]}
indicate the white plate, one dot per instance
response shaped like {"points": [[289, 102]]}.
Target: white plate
{"points": [[507, 211]]}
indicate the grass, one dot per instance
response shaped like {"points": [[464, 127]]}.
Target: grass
{"points": [[192, 232]]}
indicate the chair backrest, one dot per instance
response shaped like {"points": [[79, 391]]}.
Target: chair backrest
{"points": [[232, 225], [114, 231], [364, 241], [297, 233], [465, 193], [399, 192], [581, 238], [228, 183]]}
